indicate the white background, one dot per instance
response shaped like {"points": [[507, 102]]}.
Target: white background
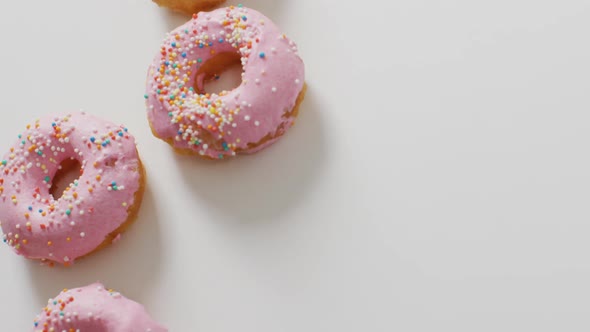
{"points": [[437, 180]]}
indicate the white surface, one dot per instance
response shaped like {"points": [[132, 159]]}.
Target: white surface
{"points": [[437, 179]]}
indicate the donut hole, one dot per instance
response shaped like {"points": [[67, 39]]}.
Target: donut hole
{"points": [[221, 73], [68, 172]]}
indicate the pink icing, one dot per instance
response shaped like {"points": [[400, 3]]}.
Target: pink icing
{"points": [[38, 226], [94, 309], [273, 76]]}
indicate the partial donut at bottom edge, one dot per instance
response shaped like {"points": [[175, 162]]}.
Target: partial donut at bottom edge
{"points": [[94, 308]]}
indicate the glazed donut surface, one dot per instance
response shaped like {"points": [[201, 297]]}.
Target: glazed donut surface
{"points": [[244, 120], [92, 210], [92, 309]]}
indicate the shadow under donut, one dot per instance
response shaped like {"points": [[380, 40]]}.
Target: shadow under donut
{"points": [[263, 186], [131, 265]]}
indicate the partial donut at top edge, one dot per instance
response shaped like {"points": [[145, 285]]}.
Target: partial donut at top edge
{"points": [[189, 6]]}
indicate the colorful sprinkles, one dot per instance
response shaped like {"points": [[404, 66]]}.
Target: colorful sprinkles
{"points": [[89, 309], [48, 227], [210, 123]]}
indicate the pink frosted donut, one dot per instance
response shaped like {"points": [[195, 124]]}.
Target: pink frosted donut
{"points": [[92, 210], [93, 308], [244, 120]]}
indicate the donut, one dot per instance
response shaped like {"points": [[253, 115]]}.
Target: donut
{"points": [[244, 120], [94, 308], [189, 6], [92, 211]]}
